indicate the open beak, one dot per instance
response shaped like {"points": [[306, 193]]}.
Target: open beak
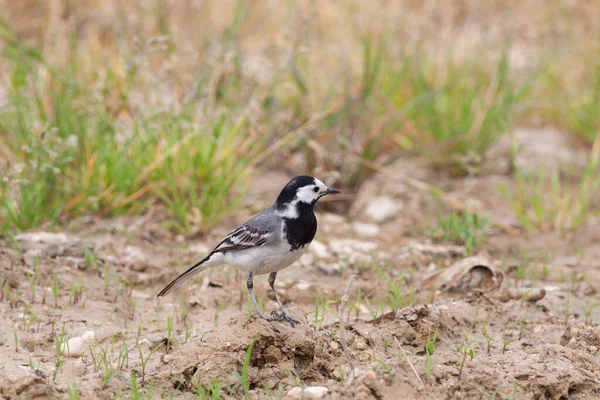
{"points": [[332, 191]]}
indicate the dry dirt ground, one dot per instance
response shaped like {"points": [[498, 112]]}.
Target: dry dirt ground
{"points": [[522, 324]]}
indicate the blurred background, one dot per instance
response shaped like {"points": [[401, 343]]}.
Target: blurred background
{"points": [[135, 134], [111, 108]]}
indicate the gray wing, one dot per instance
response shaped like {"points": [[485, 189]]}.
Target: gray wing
{"points": [[261, 230], [258, 231]]}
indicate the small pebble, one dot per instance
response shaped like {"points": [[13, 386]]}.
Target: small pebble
{"points": [[382, 208], [311, 392], [303, 286], [73, 348], [88, 336], [366, 230], [316, 391], [319, 249]]}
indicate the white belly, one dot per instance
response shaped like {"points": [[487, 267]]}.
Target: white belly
{"points": [[264, 260]]}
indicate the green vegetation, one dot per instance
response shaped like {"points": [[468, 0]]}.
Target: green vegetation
{"points": [[547, 199], [453, 116], [466, 349], [73, 390], [162, 110], [464, 228], [244, 377], [576, 96], [76, 147], [212, 393], [430, 351], [397, 289], [106, 131]]}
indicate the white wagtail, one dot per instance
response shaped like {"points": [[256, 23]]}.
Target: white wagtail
{"points": [[270, 241]]}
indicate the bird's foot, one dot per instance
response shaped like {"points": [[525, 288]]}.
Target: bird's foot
{"points": [[269, 320], [281, 315]]}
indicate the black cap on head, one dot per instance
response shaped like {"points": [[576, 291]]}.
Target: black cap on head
{"points": [[289, 191]]}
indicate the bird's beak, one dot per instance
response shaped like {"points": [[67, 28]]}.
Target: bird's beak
{"points": [[332, 191]]}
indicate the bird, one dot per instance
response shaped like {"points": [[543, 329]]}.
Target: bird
{"points": [[268, 242]]}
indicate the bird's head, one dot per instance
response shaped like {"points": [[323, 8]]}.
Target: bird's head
{"points": [[303, 190]]}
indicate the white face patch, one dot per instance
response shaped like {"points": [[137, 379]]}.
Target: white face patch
{"points": [[311, 193], [306, 194]]}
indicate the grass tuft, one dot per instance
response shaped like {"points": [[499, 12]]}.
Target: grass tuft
{"points": [[465, 228], [454, 115], [546, 199], [76, 150]]}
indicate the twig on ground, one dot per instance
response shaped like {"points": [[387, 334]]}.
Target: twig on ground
{"points": [[409, 362], [343, 302]]}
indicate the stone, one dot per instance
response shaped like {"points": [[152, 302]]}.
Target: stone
{"points": [[319, 249], [52, 244], [88, 336], [303, 286], [381, 208], [348, 246], [74, 347], [330, 269], [364, 229], [134, 257], [311, 392], [316, 391]]}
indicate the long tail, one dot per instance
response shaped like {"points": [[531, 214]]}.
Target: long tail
{"points": [[209, 261]]}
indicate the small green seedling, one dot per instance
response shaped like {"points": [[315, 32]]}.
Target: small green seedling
{"points": [[388, 371], [91, 258], [16, 340], [135, 394], [430, 351], [244, 381], [73, 390], [168, 342], [506, 341], [139, 332], [488, 337], [212, 393], [55, 291], [588, 311], [145, 360], [522, 323], [466, 349]]}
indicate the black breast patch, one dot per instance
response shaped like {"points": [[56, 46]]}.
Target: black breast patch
{"points": [[301, 231]]}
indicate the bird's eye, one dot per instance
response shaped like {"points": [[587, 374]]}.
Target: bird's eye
{"points": [[316, 189]]}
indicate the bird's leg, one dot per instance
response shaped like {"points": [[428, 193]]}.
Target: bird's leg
{"points": [[250, 286], [283, 314], [272, 277]]}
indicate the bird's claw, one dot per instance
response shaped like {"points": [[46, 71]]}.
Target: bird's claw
{"points": [[281, 315], [291, 320], [269, 320]]}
